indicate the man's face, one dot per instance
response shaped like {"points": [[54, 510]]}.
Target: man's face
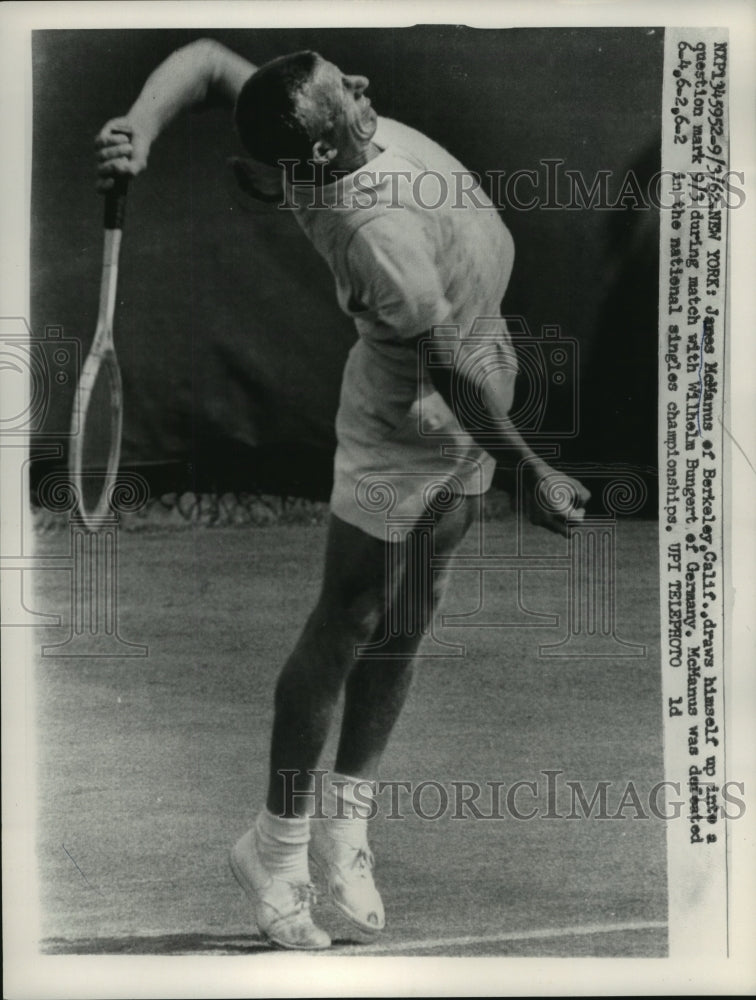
{"points": [[336, 110]]}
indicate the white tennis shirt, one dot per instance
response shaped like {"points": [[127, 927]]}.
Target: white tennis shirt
{"points": [[412, 244]]}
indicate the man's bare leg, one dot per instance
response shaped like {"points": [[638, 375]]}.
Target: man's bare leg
{"points": [[352, 610], [270, 861], [350, 606], [376, 690], [358, 597], [377, 687]]}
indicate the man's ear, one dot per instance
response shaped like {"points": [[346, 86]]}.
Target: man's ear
{"points": [[323, 152], [259, 180]]}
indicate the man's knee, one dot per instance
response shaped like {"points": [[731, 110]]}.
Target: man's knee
{"points": [[336, 626], [352, 618], [326, 646]]}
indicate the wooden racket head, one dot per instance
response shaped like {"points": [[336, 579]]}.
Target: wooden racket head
{"points": [[97, 419], [96, 447]]}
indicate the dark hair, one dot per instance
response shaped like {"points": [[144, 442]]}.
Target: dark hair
{"points": [[266, 111]]}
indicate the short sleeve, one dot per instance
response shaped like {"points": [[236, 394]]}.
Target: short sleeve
{"points": [[393, 279]]}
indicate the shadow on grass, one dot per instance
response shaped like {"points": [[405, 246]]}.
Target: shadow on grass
{"points": [[165, 944]]}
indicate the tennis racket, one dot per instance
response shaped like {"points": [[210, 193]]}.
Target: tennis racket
{"points": [[97, 416]]}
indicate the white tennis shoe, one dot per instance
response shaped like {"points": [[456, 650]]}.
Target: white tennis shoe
{"points": [[281, 908], [348, 871]]}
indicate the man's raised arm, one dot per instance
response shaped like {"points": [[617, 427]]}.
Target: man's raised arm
{"points": [[204, 72]]}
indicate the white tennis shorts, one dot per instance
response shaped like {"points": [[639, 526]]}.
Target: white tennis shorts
{"points": [[386, 479]]}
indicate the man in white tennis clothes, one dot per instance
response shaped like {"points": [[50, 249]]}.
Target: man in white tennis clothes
{"points": [[410, 250]]}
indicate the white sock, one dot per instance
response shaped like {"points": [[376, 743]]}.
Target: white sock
{"points": [[347, 805], [282, 845]]}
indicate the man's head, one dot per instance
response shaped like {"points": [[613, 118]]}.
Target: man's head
{"points": [[302, 107]]}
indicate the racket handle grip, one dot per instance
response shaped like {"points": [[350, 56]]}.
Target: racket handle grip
{"points": [[115, 203]]}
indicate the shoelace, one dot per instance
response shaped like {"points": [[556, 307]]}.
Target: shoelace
{"points": [[304, 895], [363, 861]]}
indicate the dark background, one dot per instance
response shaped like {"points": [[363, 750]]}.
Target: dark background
{"points": [[229, 337]]}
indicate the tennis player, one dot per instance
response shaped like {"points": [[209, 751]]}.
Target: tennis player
{"points": [[408, 258]]}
